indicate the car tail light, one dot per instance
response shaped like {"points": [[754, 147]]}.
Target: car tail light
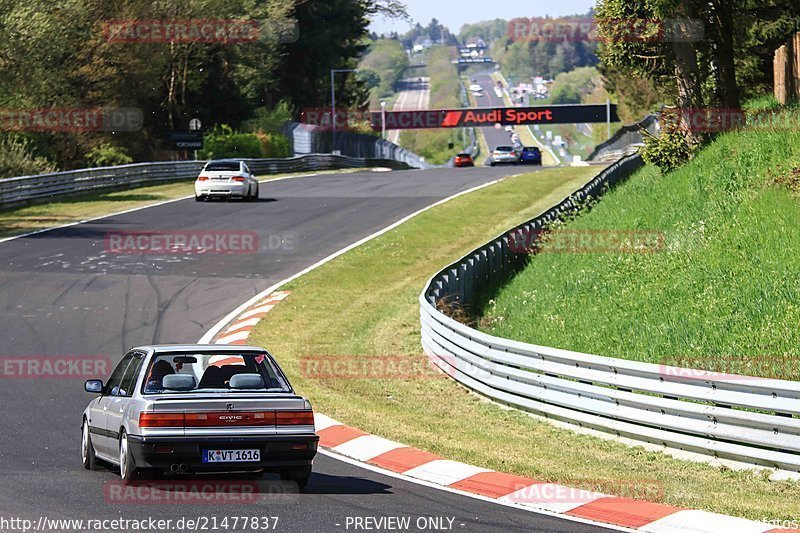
{"points": [[202, 178], [237, 178], [294, 418], [230, 418], [161, 420]]}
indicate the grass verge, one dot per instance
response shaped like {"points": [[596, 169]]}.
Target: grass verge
{"points": [[27, 218], [719, 290], [363, 305]]}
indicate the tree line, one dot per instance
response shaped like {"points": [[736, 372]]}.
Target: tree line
{"points": [[701, 54], [62, 55]]}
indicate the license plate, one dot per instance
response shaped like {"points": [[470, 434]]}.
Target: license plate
{"points": [[231, 456]]}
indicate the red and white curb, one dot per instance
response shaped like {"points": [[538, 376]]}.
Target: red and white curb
{"points": [[239, 330], [508, 489]]}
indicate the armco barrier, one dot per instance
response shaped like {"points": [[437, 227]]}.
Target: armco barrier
{"points": [[742, 419], [625, 141], [15, 191]]}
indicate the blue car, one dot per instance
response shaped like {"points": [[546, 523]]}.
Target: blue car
{"points": [[531, 155]]}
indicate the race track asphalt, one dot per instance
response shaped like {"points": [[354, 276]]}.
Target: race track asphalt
{"points": [[65, 294]]}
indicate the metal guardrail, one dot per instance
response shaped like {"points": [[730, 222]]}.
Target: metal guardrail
{"points": [[625, 140], [16, 191], [310, 139], [743, 419]]}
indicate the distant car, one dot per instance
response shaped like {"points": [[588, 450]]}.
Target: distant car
{"points": [[531, 155], [226, 178], [504, 154], [509, 129], [476, 88], [183, 409], [464, 160]]}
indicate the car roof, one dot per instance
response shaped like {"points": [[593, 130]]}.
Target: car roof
{"points": [[464, 154], [179, 348]]}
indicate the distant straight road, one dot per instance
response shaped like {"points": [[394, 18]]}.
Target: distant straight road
{"points": [[494, 136], [63, 293], [414, 94]]}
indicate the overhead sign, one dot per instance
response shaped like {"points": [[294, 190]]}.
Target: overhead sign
{"points": [[472, 60], [184, 140], [489, 117]]}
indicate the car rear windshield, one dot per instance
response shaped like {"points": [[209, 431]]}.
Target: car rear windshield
{"points": [[230, 372], [504, 149], [223, 165], [530, 149], [464, 155]]}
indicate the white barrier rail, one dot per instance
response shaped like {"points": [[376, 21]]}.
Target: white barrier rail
{"points": [[744, 419], [16, 191]]}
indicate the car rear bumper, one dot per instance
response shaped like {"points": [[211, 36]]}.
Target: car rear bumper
{"points": [[220, 189], [276, 451], [505, 159]]}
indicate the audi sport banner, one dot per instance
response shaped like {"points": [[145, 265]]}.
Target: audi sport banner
{"points": [[488, 116]]}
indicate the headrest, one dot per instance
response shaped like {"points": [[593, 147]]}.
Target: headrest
{"points": [[179, 382], [247, 381]]}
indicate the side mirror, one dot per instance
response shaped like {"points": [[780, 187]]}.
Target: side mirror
{"points": [[94, 386]]}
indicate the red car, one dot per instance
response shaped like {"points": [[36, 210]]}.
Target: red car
{"points": [[464, 160]]}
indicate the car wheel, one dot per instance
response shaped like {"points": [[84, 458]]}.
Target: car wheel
{"points": [[299, 475], [127, 466], [492, 163], [198, 198], [87, 449], [254, 198]]}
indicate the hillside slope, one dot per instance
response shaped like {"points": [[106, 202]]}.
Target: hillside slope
{"points": [[721, 288]]}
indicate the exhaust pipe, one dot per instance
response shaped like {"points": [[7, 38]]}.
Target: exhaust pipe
{"points": [[173, 468], [183, 468]]}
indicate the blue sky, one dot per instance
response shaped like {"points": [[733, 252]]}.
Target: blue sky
{"points": [[455, 13]]}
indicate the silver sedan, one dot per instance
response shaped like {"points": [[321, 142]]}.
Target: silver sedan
{"points": [[181, 409]]}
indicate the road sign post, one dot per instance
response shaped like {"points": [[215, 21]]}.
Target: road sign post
{"points": [[195, 125]]}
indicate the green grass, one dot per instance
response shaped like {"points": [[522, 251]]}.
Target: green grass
{"points": [[65, 210], [363, 305], [722, 294]]}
